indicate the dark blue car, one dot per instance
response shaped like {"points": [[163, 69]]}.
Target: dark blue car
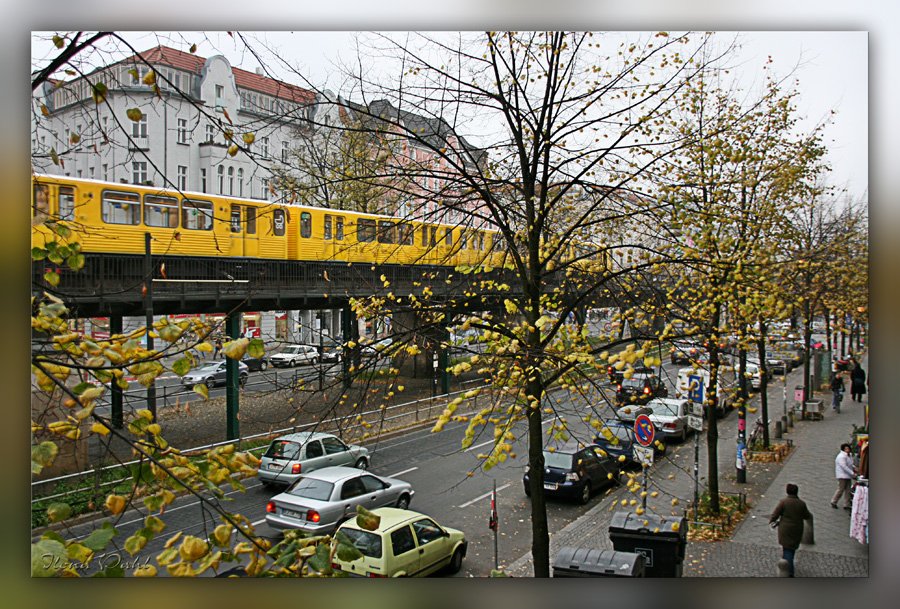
{"points": [[622, 440], [574, 471]]}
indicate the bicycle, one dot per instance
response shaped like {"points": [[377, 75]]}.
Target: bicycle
{"points": [[757, 434]]}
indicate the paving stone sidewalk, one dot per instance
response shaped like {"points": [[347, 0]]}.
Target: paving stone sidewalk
{"points": [[753, 549]]}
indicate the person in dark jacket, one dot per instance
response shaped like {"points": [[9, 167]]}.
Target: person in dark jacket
{"points": [[790, 514], [857, 383], [837, 390]]}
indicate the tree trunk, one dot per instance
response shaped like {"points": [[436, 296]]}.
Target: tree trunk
{"points": [[540, 532], [712, 429]]}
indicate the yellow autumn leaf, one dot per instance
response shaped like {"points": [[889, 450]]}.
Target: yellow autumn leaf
{"points": [[115, 504]]}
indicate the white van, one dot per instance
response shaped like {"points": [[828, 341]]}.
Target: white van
{"points": [[692, 383]]}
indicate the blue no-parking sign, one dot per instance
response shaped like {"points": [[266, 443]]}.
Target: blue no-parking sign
{"points": [[644, 430], [695, 391]]}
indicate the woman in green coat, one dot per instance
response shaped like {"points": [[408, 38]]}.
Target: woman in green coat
{"points": [[790, 514]]}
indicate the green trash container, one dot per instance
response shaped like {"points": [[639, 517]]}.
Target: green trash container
{"points": [[662, 540], [588, 562]]}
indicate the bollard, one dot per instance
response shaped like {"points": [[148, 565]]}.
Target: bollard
{"points": [[784, 423], [777, 433], [808, 535]]}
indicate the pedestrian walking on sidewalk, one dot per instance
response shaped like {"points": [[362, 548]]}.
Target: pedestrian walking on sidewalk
{"points": [[837, 390], [857, 383], [789, 514], [844, 472], [218, 349]]}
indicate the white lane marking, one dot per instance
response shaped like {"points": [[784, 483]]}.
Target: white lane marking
{"points": [[479, 445], [406, 471], [481, 497], [258, 522]]}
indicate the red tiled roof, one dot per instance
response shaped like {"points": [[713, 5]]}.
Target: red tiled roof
{"points": [[242, 78]]}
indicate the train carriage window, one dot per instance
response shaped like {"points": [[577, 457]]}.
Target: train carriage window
{"points": [[405, 233], [424, 236], [385, 232], [67, 203], [365, 230], [339, 228], [41, 200], [251, 220], [196, 215], [161, 211], [121, 207], [326, 228], [235, 218], [448, 237], [278, 222], [305, 225], [433, 236]]}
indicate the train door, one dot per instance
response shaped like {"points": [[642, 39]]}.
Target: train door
{"points": [[244, 232]]}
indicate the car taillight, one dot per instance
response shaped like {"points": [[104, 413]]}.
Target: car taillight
{"points": [[312, 516], [647, 390], [375, 575], [618, 387], [270, 507], [573, 476], [670, 426], [295, 469]]}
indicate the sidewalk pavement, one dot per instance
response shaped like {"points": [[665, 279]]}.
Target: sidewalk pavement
{"points": [[753, 549]]}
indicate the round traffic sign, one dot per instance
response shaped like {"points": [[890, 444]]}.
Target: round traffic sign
{"points": [[644, 430]]}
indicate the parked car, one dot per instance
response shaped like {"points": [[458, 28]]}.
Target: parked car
{"points": [[371, 349], [293, 455], [574, 471], [616, 376], [669, 415], [640, 389], [406, 543], [320, 501], [255, 363], [330, 351], [628, 413], [754, 375], [295, 355], [213, 374], [621, 441]]}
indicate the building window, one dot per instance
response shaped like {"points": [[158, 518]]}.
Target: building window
{"points": [[139, 128], [105, 175], [120, 208], [265, 189], [182, 131], [264, 148], [231, 181], [66, 203], [91, 172], [182, 177], [203, 180], [241, 182], [161, 211], [78, 173], [220, 95], [210, 133], [139, 172], [196, 215], [305, 225], [221, 174], [284, 152]]}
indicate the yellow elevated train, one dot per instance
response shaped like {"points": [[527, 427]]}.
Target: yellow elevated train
{"points": [[114, 217]]}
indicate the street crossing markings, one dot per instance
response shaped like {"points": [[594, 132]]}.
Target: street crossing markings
{"points": [[485, 496]]}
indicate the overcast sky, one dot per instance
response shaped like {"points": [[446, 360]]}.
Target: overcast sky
{"points": [[831, 67]]}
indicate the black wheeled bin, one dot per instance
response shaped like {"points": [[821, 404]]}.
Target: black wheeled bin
{"points": [[662, 541], [587, 562]]}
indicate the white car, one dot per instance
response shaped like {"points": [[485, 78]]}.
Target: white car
{"points": [[295, 355], [670, 416], [754, 375]]}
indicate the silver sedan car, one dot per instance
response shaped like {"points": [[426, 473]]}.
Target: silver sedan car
{"points": [[318, 502]]}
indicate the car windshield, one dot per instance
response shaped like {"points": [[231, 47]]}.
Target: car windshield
{"points": [[662, 409], [281, 449], [292, 350], [620, 432], [635, 382], [557, 460], [310, 488], [208, 368], [369, 544]]}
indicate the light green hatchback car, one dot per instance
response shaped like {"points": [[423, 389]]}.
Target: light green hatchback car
{"points": [[406, 544]]}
